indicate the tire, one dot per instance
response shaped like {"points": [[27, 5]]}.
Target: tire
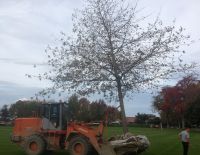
{"points": [[79, 146], [34, 145]]}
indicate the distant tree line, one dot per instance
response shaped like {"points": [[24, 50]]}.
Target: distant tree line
{"points": [[76, 110], [4, 114], [84, 110], [147, 119], [179, 105]]}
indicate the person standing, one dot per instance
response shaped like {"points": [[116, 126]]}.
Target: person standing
{"points": [[185, 139]]}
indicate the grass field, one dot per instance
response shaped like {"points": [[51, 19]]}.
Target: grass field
{"points": [[163, 142]]}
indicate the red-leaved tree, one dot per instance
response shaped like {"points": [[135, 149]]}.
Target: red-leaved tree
{"points": [[175, 101]]}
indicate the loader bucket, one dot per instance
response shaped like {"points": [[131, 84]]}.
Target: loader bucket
{"points": [[106, 149]]}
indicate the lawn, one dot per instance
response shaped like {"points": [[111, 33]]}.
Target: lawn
{"points": [[163, 142]]}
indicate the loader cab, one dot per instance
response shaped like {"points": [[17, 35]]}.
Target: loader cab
{"points": [[53, 116]]}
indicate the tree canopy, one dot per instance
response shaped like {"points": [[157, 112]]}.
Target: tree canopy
{"points": [[179, 104], [114, 51]]}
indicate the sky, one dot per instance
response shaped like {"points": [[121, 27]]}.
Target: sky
{"points": [[27, 27]]}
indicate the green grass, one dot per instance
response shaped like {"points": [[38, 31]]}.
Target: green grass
{"points": [[163, 142]]}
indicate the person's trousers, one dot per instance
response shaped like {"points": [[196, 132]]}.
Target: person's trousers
{"points": [[185, 148]]}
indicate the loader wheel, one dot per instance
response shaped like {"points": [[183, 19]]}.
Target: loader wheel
{"points": [[34, 145], [79, 146]]}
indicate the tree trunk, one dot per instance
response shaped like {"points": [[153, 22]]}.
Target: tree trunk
{"points": [[179, 124], [121, 102], [183, 122], [167, 122], [161, 125]]}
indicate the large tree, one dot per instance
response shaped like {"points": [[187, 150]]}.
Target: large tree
{"points": [[114, 50], [178, 102], [188, 92]]}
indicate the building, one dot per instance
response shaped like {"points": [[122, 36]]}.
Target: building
{"points": [[130, 120]]}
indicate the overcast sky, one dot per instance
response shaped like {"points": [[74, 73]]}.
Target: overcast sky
{"points": [[28, 26]]}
